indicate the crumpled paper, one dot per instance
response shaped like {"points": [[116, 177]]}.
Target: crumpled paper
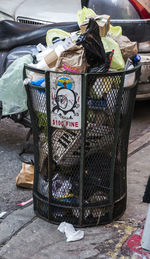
{"points": [[70, 232]]}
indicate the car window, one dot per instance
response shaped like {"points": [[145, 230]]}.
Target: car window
{"points": [[117, 9]]}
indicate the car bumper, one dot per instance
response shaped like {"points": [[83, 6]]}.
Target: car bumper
{"points": [[143, 91]]}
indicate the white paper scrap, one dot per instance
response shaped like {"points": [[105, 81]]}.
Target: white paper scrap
{"points": [[70, 232], [2, 214]]}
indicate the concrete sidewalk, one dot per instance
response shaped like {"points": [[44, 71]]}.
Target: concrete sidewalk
{"points": [[24, 236]]}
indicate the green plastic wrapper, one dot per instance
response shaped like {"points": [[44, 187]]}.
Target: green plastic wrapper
{"points": [[12, 90], [83, 14], [118, 62], [115, 30], [55, 33]]}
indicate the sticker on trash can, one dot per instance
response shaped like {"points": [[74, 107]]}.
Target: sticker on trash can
{"points": [[65, 97]]}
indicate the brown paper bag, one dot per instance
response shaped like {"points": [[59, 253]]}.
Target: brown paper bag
{"points": [[72, 60], [26, 176], [128, 48]]}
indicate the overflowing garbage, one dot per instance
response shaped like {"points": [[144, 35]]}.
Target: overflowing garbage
{"points": [[96, 49]]}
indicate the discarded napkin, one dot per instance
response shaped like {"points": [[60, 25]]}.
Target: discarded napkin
{"points": [[70, 232]]}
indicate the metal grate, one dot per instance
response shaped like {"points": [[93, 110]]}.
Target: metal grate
{"points": [[31, 21], [80, 168]]}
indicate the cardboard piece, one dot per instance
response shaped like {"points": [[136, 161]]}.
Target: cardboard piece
{"points": [[51, 59], [26, 176]]}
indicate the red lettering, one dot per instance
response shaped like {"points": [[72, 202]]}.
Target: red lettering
{"points": [[76, 124], [72, 124], [58, 123]]}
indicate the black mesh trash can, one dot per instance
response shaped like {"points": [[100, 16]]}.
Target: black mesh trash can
{"points": [[81, 126]]}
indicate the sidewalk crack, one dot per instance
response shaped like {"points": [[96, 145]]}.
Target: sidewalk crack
{"points": [[17, 231]]}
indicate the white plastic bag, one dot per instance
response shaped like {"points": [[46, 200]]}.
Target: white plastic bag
{"points": [[70, 232]]}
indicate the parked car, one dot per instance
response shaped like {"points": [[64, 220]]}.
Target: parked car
{"points": [[40, 11]]}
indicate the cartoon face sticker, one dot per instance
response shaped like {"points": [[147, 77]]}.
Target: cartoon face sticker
{"points": [[65, 97]]}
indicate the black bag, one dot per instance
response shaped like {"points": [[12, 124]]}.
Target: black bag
{"points": [[91, 41]]}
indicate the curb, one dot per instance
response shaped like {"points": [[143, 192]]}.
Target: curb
{"points": [[15, 221], [137, 144]]}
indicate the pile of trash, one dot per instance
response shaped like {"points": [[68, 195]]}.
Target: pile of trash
{"points": [[96, 47]]}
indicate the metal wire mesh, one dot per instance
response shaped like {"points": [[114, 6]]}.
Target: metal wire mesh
{"points": [[81, 142]]}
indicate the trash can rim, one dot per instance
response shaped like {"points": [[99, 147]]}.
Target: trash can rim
{"points": [[110, 73]]}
